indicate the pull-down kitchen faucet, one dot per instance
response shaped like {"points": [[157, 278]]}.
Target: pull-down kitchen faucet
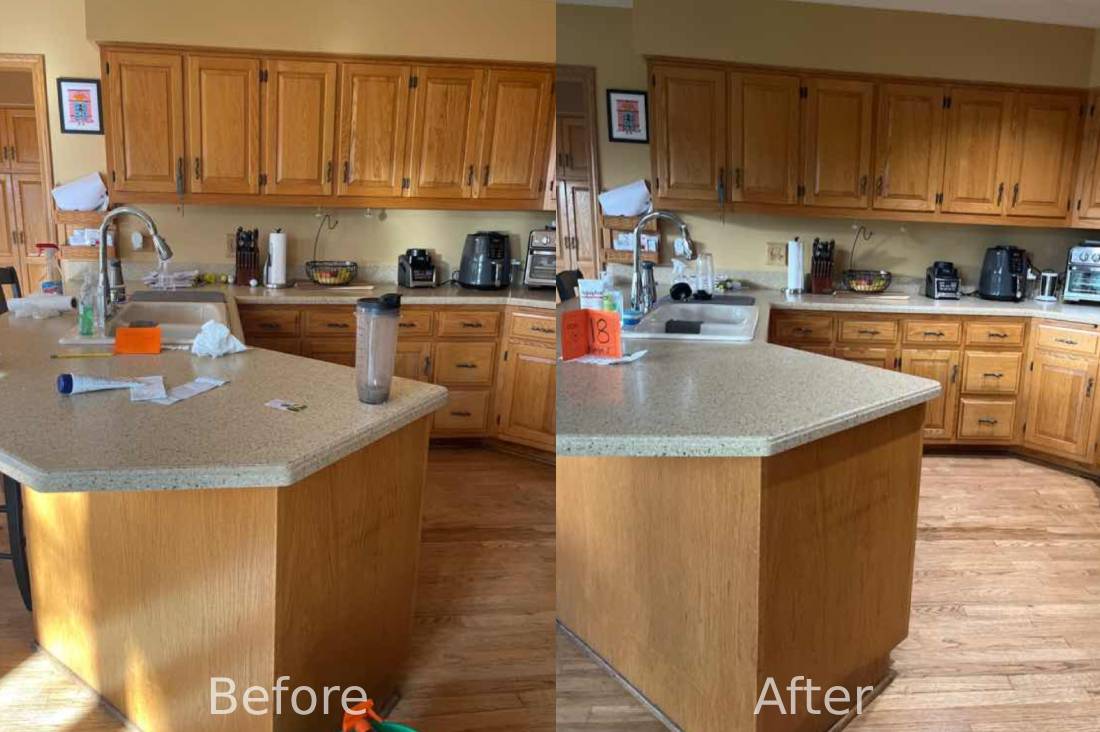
{"points": [[641, 297], [164, 252]]}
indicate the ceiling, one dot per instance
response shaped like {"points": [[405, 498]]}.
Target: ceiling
{"points": [[1082, 13]]}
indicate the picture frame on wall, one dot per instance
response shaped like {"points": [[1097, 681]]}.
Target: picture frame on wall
{"points": [[628, 116], [80, 106]]}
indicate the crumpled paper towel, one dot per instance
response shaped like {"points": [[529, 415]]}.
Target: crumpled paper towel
{"points": [[214, 340]]}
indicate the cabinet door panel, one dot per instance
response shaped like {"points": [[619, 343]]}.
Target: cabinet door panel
{"points": [[22, 127], [526, 409], [414, 360], [977, 157], [1059, 413], [31, 204], [7, 223], [581, 212], [512, 159], [764, 138], [446, 118], [223, 133], [1088, 190], [690, 126], [573, 149], [1046, 128], [374, 114], [941, 366], [838, 142], [145, 120], [299, 124], [909, 152]]}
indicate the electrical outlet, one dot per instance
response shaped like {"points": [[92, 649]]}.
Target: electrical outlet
{"points": [[777, 254]]}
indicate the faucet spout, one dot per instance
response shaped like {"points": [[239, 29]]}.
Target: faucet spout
{"points": [[164, 253], [640, 298]]}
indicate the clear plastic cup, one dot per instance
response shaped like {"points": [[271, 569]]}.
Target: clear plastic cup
{"points": [[376, 346]]}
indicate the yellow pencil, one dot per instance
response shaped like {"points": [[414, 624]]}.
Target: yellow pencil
{"points": [[81, 355]]}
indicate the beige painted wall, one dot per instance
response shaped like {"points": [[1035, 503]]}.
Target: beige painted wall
{"points": [[611, 39]]}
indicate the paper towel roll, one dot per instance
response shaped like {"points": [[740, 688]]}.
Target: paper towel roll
{"points": [[796, 276], [629, 200], [276, 253]]}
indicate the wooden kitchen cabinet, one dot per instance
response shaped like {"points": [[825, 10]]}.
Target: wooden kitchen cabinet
{"points": [[1087, 208], [9, 238], [514, 137], [414, 360], [299, 126], [909, 147], [837, 142], [942, 366], [550, 192], [1046, 135], [31, 208], [765, 137], [372, 142], [578, 235], [1060, 404], [445, 124], [19, 141], [526, 397], [978, 150], [575, 159], [883, 358], [145, 145], [223, 126], [689, 144]]}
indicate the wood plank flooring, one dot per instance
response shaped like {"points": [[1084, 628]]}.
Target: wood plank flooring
{"points": [[1005, 631], [483, 655]]}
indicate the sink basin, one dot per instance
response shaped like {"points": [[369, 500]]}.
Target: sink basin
{"points": [[698, 321], [179, 315]]}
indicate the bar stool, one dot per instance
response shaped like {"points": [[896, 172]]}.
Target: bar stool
{"points": [[8, 276], [566, 281]]}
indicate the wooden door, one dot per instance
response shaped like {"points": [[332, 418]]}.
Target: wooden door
{"points": [[1087, 207], [414, 360], [299, 126], [528, 383], [22, 155], [446, 118], [374, 117], [574, 141], [978, 151], [145, 121], [31, 206], [515, 134], [223, 124], [909, 147], [580, 203], [1060, 401], [689, 125], [941, 366], [764, 137], [1046, 132], [837, 143]]}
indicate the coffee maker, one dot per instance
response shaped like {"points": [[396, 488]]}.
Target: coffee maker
{"points": [[416, 269], [1004, 274], [486, 261]]}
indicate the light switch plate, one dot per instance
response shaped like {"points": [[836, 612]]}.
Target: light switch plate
{"points": [[777, 254]]}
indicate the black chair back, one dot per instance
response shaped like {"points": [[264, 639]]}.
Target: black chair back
{"points": [[8, 276], [567, 283]]}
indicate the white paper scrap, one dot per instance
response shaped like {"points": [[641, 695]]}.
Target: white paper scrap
{"points": [[285, 406], [604, 361], [147, 388], [191, 389]]}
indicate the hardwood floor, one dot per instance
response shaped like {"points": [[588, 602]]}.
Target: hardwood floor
{"points": [[1005, 630], [483, 650]]}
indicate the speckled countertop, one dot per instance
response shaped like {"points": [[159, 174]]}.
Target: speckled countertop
{"points": [[519, 296], [225, 438]]}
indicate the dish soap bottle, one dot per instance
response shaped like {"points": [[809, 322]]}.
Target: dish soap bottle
{"points": [[85, 306], [51, 283]]}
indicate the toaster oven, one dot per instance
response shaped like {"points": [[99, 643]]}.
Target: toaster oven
{"points": [[1083, 273], [541, 267]]}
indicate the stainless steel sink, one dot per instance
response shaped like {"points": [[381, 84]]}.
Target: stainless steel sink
{"points": [[180, 315], [731, 321]]}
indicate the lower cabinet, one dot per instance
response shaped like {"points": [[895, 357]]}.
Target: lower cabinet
{"points": [[883, 358], [941, 366], [1060, 404], [527, 379]]}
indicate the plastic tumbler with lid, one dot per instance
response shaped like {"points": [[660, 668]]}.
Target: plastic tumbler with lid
{"points": [[376, 346]]}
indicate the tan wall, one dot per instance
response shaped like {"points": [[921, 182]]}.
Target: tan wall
{"points": [[16, 88], [1094, 75], [613, 40]]}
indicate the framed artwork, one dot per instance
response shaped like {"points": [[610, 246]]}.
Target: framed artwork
{"points": [[627, 116], [80, 106]]}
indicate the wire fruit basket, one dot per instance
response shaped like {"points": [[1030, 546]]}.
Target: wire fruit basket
{"points": [[869, 281], [331, 272]]}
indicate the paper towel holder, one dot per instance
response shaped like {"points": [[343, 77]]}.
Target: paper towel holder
{"points": [[267, 267]]}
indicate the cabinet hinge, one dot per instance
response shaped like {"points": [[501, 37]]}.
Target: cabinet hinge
{"points": [[108, 68], [263, 76], [414, 81], [803, 92]]}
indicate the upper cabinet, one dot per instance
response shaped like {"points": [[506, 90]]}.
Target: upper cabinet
{"points": [[764, 137], [689, 144], [1087, 208], [145, 121], [1046, 132], [373, 143], [979, 139], [19, 151], [909, 147], [446, 119], [512, 158], [223, 126], [837, 159], [299, 125]]}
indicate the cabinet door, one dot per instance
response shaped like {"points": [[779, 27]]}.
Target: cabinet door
{"points": [[446, 117], [689, 113], [764, 137], [909, 148], [580, 204], [299, 124], [525, 400], [1088, 184], [145, 121], [550, 192], [1046, 127], [515, 134], [837, 130], [574, 141], [374, 115], [414, 360], [22, 141], [31, 205], [883, 358], [941, 366], [977, 151], [1060, 400], [223, 124]]}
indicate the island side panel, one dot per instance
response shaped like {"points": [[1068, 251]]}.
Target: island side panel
{"points": [[348, 547], [657, 571], [146, 595], [838, 533]]}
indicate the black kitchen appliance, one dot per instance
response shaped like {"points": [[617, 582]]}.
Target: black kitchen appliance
{"points": [[941, 281], [416, 269], [1004, 274], [486, 261]]}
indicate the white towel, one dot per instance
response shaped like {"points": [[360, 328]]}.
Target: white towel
{"points": [[630, 200], [83, 194]]}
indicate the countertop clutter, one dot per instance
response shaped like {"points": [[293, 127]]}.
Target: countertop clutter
{"points": [[517, 295]]}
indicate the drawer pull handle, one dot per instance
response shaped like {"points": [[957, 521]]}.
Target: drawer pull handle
{"points": [[269, 326], [934, 333], [996, 334], [461, 414], [541, 329], [987, 420], [406, 325], [993, 375], [465, 365], [868, 331], [800, 329], [1067, 341], [336, 325], [472, 324]]}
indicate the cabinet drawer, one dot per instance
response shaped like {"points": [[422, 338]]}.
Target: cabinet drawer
{"points": [[414, 323], [986, 419], [933, 331], [474, 323], [883, 358], [269, 321], [868, 331], [1071, 340], [530, 325], [314, 346], [992, 372], [994, 333], [466, 411], [274, 343], [802, 328], [464, 364], [330, 321]]}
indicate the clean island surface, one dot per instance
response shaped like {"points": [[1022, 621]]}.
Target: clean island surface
{"points": [[216, 536], [733, 513]]}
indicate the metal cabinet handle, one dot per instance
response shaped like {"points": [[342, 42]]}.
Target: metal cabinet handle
{"points": [[486, 177], [1067, 341], [328, 172], [995, 334], [867, 331], [987, 420], [179, 176], [269, 326], [862, 185], [347, 172], [801, 329], [5, 152], [934, 333], [541, 329], [1088, 389], [1000, 193], [954, 373], [569, 158], [462, 413], [721, 187], [1016, 193], [337, 325], [470, 176], [737, 178], [198, 168], [427, 365], [406, 325], [879, 185], [472, 324], [993, 375], [465, 365]]}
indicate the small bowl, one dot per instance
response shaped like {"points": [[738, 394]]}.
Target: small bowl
{"points": [[869, 281], [335, 272]]}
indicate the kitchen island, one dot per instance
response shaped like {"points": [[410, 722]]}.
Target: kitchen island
{"points": [[729, 514], [216, 537]]}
